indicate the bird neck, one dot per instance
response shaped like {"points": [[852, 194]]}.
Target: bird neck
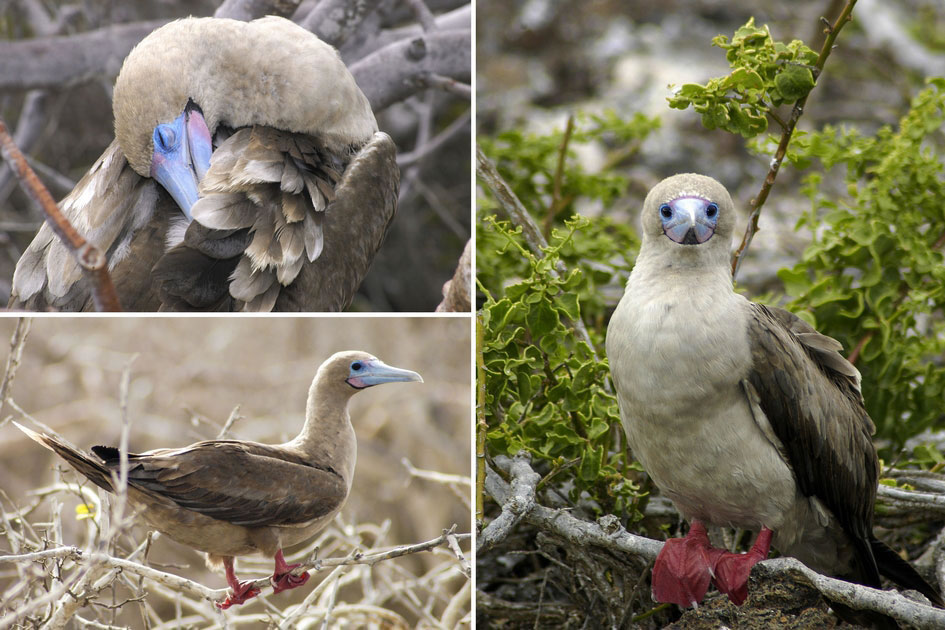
{"points": [[691, 266], [327, 437]]}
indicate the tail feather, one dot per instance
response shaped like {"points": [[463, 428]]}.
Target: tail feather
{"points": [[95, 471], [902, 573]]}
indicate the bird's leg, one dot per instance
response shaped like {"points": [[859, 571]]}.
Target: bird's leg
{"points": [[683, 568], [242, 591], [282, 578], [732, 569]]}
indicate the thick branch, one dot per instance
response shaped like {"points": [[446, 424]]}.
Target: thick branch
{"points": [[608, 534], [61, 62], [457, 291], [246, 10], [398, 70], [334, 21]]}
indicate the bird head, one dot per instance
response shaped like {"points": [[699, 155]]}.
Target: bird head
{"points": [[688, 212], [354, 371], [189, 76]]}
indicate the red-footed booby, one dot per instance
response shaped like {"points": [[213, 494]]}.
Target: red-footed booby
{"points": [[247, 173], [231, 497], [742, 414]]}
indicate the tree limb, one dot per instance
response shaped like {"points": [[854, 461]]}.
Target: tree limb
{"points": [[393, 73], [608, 534], [64, 61]]}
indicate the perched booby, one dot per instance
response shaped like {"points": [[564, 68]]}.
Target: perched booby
{"points": [[231, 497], [247, 173], [742, 414]]}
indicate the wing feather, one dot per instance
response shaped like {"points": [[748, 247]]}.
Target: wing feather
{"points": [[811, 397]]}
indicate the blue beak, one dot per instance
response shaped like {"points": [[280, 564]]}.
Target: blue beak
{"points": [[182, 156], [375, 372], [689, 220]]}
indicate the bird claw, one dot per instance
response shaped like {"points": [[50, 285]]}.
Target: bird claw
{"points": [[241, 592], [732, 569], [683, 568], [284, 581]]}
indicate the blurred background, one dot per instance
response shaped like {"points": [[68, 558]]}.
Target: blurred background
{"points": [[188, 374], [537, 61], [64, 128]]}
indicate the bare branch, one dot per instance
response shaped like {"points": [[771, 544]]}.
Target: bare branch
{"points": [[608, 534], [246, 10], [516, 211], [64, 61], [17, 343], [334, 21], [394, 72], [92, 261], [457, 293]]}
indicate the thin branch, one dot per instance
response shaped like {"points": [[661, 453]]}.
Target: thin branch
{"points": [[516, 211], [461, 124], [447, 84], [17, 343], [433, 475], [481, 425], [90, 258], [556, 201], [230, 421], [775, 166]]}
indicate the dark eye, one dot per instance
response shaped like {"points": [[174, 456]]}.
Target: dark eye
{"points": [[665, 211], [711, 210], [356, 366]]}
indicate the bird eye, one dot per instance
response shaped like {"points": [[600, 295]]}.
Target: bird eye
{"points": [[356, 366], [711, 210], [665, 211], [165, 136]]}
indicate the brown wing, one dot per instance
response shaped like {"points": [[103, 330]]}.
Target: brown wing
{"points": [[283, 207], [811, 397], [109, 206], [244, 483]]}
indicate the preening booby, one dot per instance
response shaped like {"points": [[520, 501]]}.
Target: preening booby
{"points": [[742, 414], [231, 497], [247, 173]]}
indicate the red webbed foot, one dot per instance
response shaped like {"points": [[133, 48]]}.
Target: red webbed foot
{"points": [[240, 592], [282, 578], [732, 569], [682, 572]]}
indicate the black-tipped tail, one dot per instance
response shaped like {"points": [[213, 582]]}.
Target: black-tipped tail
{"points": [[902, 573]]}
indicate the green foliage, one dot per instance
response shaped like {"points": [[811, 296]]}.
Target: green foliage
{"points": [[528, 161], [874, 273], [602, 249], [545, 386], [765, 74]]}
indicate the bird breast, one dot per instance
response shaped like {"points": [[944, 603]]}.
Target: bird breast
{"points": [[679, 351]]}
